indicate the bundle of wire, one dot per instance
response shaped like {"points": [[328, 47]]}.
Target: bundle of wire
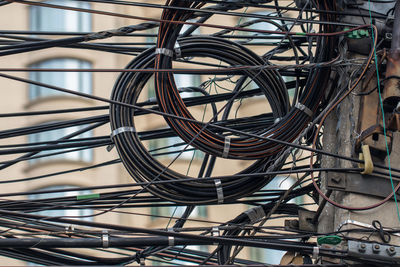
{"points": [[292, 121]]}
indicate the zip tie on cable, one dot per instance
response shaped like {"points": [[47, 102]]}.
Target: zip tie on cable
{"points": [[220, 193], [255, 214], [215, 233], [177, 50], [171, 241], [164, 51], [303, 108], [122, 130], [227, 146], [105, 239], [315, 252], [118, 131]]}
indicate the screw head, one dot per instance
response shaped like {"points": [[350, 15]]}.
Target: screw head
{"points": [[363, 245], [377, 246], [391, 249]]}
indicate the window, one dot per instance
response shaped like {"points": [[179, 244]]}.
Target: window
{"points": [[170, 148], [77, 81], [181, 81], [167, 261], [54, 19], [263, 25], [266, 256], [187, 80], [81, 155], [186, 27], [151, 40], [283, 183], [198, 212], [62, 212]]}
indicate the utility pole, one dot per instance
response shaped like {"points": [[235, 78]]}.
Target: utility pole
{"points": [[357, 127]]}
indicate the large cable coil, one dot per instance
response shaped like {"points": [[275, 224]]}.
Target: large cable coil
{"points": [[290, 120]]}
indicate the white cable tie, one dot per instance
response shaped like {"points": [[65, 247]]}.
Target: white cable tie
{"points": [[215, 232], [315, 253], [303, 108], [105, 239], [220, 193], [177, 50], [171, 241], [277, 120], [164, 51], [122, 130], [142, 261], [255, 214], [227, 146]]}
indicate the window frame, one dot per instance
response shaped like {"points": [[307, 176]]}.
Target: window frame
{"points": [[83, 84]]}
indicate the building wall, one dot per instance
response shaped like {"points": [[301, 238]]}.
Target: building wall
{"points": [[16, 99]]}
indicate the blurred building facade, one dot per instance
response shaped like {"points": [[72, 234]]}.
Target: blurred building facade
{"points": [[24, 97]]}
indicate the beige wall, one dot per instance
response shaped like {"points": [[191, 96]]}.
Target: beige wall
{"points": [[15, 99]]}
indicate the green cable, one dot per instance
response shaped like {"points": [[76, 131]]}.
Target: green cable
{"points": [[383, 113]]}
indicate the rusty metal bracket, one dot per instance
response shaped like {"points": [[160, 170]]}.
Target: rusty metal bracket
{"points": [[372, 185], [375, 139], [394, 121], [306, 218]]}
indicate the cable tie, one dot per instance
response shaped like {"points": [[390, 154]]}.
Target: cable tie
{"points": [[171, 241], [255, 214], [303, 108], [215, 233], [277, 120], [220, 193], [177, 50], [141, 262], [315, 252], [105, 239], [165, 51], [227, 146], [122, 130]]}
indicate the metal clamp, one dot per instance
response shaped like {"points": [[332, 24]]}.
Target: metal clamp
{"points": [[255, 214], [105, 239], [220, 192], [215, 233], [164, 51], [177, 50], [315, 253], [227, 146], [122, 130], [303, 108], [171, 241]]}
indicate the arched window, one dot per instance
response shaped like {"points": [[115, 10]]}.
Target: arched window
{"points": [[77, 81], [198, 212], [55, 19], [52, 135], [61, 209]]}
